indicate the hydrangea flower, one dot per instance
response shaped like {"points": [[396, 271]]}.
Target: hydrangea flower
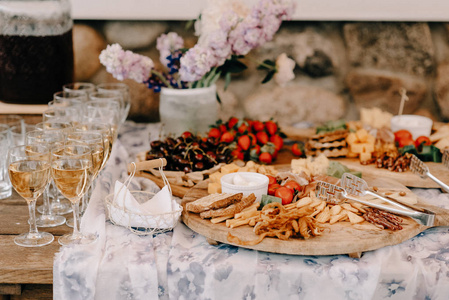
{"points": [[126, 64]]}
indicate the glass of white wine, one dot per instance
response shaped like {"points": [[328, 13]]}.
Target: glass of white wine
{"points": [[72, 172], [94, 140], [51, 212], [29, 172], [105, 130]]}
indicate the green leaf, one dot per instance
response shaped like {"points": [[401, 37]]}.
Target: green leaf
{"points": [[268, 77], [227, 80], [190, 23], [266, 65], [219, 101]]}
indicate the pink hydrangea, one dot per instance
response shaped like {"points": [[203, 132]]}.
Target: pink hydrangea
{"points": [[196, 63], [167, 44], [126, 64]]}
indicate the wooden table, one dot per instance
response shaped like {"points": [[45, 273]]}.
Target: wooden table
{"points": [[25, 273]]}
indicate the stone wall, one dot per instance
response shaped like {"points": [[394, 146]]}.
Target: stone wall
{"points": [[341, 66]]}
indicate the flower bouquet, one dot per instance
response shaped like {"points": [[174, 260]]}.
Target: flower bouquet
{"points": [[227, 30]]}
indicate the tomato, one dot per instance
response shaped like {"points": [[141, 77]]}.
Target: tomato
{"points": [[277, 141], [214, 133], [262, 137], [422, 140], [271, 127], [293, 185], [271, 180], [244, 142], [298, 149], [227, 137], [402, 134], [272, 188], [285, 194], [265, 158], [232, 121], [405, 142], [258, 126]]}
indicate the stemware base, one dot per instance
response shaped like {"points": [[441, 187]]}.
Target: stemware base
{"points": [[60, 208], [79, 239], [50, 221], [34, 239], [69, 222]]}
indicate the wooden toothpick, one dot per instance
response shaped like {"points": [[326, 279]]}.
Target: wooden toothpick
{"points": [[404, 98]]}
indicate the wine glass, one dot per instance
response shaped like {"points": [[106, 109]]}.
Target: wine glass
{"points": [[84, 87], [72, 171], [103, 111], [122, 89], [94, 140], [29, 172], [106, 133], [55, 114], [50, 211]]}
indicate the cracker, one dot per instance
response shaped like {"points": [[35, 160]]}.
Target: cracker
{"points": [[213, 201], [231, 209]]}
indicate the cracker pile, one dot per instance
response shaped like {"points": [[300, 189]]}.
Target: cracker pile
{"points": [[331, 144]]}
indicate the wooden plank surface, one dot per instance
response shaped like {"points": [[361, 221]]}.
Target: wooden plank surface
{"points": [[22, 265], [342, 238]]}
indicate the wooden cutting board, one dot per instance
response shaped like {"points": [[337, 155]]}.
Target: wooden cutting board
{"points": [[342, 238]]}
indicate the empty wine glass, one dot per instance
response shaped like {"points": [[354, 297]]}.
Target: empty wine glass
{"points": [[50, 212], [84, 87], [68, 114], [123, 90], [29, 171], [72, 171], [103, 111]]}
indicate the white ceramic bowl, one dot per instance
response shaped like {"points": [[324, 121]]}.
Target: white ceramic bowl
{"points": [[235, 183], [417, 125]]}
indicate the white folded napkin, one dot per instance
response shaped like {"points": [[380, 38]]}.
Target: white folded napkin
{"points": [[152, 213]]}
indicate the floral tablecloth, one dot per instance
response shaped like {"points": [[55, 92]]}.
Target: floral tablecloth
{"points": [[182, 265]]}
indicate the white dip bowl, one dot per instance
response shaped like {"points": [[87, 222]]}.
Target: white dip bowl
{"points": [[246, 183], [416, 125]]}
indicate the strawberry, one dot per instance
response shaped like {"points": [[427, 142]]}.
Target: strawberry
{"points": [[243, 127], [232, 121], [271, 127], [277, 141], [214, 133], [262, 137], [227, 137], [237, 153], [253, 138], [298, 149], [244, 142], [222, 128], [258, 126], [265, 158]]}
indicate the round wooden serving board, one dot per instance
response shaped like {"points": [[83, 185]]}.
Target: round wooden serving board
{"points": [[339, 238]]}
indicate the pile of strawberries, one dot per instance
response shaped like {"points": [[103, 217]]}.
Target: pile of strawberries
{"points": [[250, 139]]}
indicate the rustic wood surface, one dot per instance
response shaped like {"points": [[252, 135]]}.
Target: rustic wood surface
{"points": [[342, 237], [25, 273]]}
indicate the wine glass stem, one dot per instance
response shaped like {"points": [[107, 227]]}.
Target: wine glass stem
{"points": [[32, 211], [46, 209], [76, 220]]}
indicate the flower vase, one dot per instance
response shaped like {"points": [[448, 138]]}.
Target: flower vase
{"points": [[187, 110]]}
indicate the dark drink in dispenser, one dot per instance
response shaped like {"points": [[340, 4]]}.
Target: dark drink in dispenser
{"points": [[36, 50]]}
